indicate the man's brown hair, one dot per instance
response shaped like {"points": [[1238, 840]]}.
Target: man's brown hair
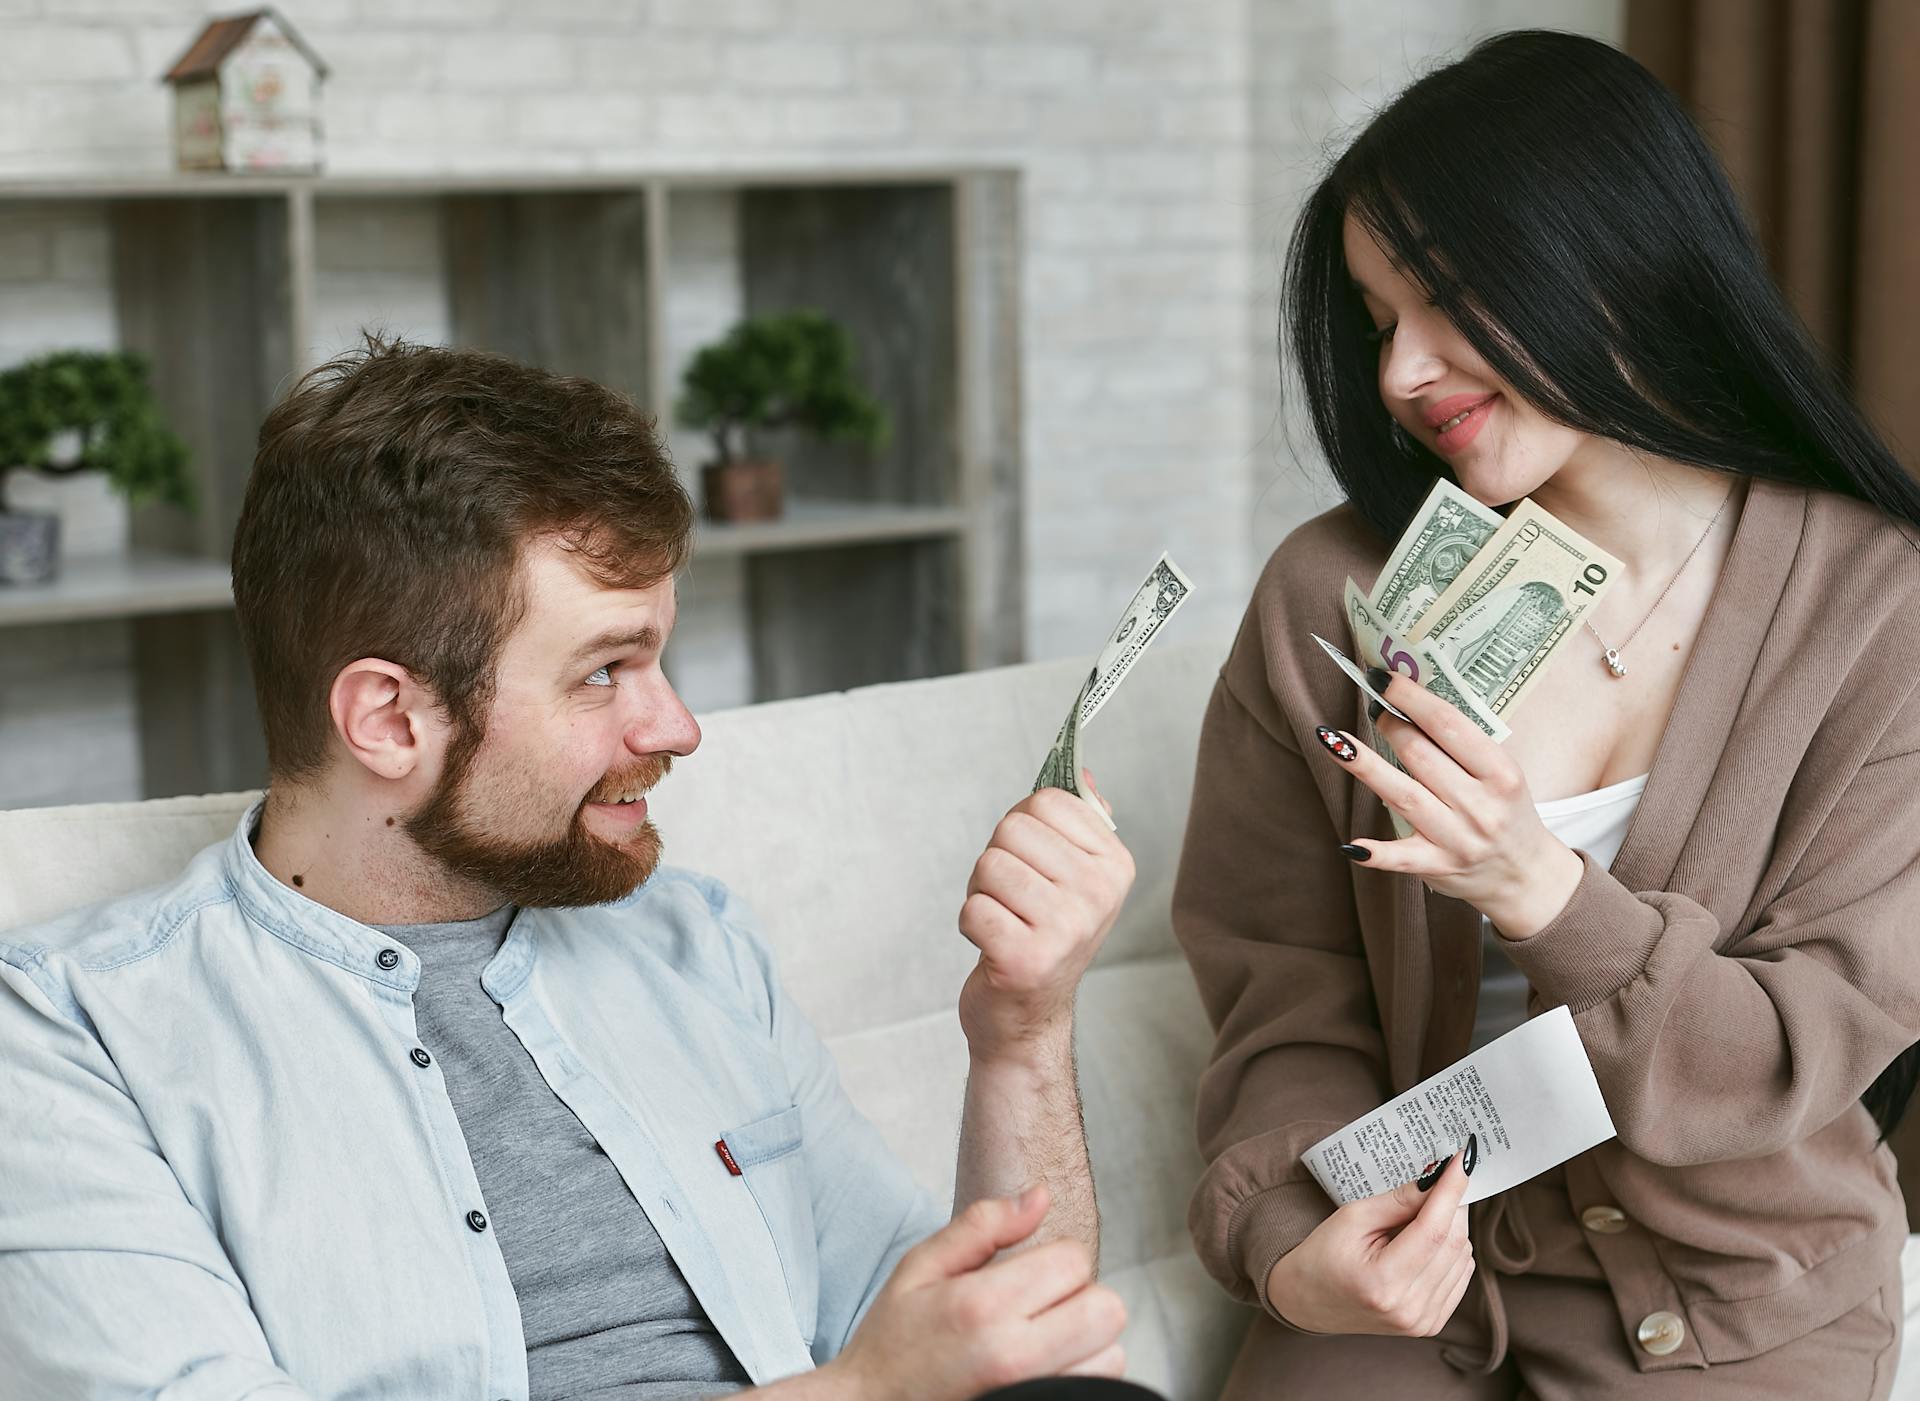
{"points": [[391, 496]]}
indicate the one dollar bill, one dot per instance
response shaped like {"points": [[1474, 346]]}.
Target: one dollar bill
{"points": [[1157, 599], [1447, 531]]}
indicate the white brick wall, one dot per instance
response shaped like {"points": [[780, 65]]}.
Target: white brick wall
{"points": [[1164, 147]]}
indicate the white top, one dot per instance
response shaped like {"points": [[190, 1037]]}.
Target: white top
{"points": [[1595, 823]]}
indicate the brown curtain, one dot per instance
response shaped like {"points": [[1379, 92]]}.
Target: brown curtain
{"points": [[1814, 106]]}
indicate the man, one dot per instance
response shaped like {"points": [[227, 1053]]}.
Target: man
{"points": [[430, 1082]]}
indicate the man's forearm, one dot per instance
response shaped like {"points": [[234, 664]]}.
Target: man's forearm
{"points": [[1022, 1125]]}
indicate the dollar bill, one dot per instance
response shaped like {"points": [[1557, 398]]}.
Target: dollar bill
{"points": [[1359, 677], [1062, 766], [1419, 661], [1447, 531], [1157, 599], [1473, 607], [1502, 620]]}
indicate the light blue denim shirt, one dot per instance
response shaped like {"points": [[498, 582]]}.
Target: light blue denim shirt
{"points": [[223, 1175]]}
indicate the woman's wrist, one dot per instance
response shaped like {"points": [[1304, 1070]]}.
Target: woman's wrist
{"points": [[1279, 1290], [1539, 897]]}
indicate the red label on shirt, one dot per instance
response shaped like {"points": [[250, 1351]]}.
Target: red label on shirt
{"points": [[726, 1156]]}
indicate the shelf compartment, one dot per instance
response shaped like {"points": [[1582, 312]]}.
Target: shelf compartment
{"points": [[812, 525], [132, 585], [142, 583]]}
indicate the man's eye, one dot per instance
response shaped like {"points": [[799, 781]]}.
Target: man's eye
{"points": [[602, 677]]}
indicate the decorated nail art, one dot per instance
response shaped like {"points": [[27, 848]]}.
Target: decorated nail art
{"points": [[1431, 1174], [1471, 1158], [1337, 744]]}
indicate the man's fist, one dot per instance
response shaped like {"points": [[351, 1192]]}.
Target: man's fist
{"points": [[1043, 896]]}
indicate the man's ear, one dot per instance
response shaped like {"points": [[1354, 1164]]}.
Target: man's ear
{"points": [[386, 719]]}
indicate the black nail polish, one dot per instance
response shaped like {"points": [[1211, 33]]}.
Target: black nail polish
{"points": [[1336, 744], [1355, 853], [1433, 1174], [1470, 1159], [1379, 678]]}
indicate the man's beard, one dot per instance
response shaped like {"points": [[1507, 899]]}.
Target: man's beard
{"points": [[572, 870]]}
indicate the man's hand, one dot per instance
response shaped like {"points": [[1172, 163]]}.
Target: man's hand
{"points": [[1043, 896], [953, 1322], [1398, 1263]]}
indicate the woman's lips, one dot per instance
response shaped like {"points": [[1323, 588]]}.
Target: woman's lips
{"points": [[1456, 438]]}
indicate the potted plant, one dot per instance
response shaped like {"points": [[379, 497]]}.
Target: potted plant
{"points": [[784, 371], [67, 415]]}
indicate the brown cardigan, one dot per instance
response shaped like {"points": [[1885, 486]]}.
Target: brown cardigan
{"points": [[1739, 977]]}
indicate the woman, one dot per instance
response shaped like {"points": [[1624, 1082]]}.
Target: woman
{"points": [[1529, 275]]}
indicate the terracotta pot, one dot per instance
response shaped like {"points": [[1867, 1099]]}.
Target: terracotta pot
{"points": [[744, 490], [29, 546]]}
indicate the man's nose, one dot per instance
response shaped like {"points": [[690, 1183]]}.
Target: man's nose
{"points": [[664, 725]]}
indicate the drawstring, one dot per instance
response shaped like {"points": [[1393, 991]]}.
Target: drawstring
{"points": [[1495, 1258]]}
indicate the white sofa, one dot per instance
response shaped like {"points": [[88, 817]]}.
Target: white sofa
{"points": [[851, 822]]}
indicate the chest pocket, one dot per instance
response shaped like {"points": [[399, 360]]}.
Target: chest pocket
{"points": [[768, 1154]]}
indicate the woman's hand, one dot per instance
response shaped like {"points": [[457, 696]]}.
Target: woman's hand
{"points": [[1477, 835], [1398, 1263]]}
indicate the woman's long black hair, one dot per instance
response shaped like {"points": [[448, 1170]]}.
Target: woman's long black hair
{"points": [[1557, 203]]}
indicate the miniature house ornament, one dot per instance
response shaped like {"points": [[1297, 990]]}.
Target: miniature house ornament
{"points": [[246, 97]]}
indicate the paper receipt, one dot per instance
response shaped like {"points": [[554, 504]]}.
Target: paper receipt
{"points": [[1530, 1095]]}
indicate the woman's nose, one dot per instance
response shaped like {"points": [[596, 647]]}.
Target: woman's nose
{"points": [[1411, 365]]}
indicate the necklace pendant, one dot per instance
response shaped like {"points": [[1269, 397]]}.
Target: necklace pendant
{"points": [[1614, 664]]}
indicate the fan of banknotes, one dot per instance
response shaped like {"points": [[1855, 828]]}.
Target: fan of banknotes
{"points": [[1474, 606], [1157, 599]]}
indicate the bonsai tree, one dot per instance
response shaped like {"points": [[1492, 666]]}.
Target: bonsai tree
{"points": [[793, 370], [105, 398]]}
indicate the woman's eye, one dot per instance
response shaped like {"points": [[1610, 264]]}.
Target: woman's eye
{"points": [[1379, 334], [602, 677]]}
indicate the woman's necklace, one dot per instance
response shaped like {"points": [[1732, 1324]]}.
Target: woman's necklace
{"points": [[1614, 663]]}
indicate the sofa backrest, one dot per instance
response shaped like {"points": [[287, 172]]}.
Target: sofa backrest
{"points": [[851, 823]]}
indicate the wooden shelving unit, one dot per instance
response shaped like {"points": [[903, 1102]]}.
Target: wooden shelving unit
{"points": [[900, 565]]}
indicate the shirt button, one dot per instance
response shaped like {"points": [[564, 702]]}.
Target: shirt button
{"points": [[478, 1222], [387, 958], [1604, 1220], [420, 1057], [1662, 1332]]}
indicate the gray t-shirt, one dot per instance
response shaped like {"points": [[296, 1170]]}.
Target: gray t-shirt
{"points": [[606, 1312]]}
